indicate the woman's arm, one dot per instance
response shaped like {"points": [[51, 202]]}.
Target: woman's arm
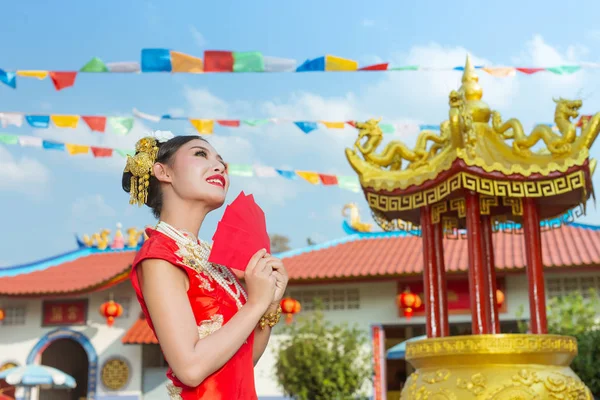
{"points": [[191, 358], [261, 336]]}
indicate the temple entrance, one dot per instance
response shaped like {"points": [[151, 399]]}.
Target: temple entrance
{"points": [[68, 356]]}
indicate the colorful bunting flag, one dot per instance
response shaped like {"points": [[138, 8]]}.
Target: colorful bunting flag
{"points": [[65, 121], [181, 62], [156, 60], [97, 124], [333, 63], [38, 121], [203, 126], [8, 78], [121, 125], [94, 65], [251, 61], [306, 126], [218, 61], [243, 170], [33, 74], [62, 80]]}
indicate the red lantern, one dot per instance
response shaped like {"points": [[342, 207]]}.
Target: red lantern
{"points": [[499, 298], [290, 307], [111, 310], [408, 302], [2, 314]]}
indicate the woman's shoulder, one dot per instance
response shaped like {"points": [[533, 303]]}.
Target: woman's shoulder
{"points": [[157, 245]]}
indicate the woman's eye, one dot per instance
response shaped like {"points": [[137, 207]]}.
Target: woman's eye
{"points": [[201, 153]]}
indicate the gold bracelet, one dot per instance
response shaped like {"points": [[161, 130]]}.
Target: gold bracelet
{"points": [[271, 319]]}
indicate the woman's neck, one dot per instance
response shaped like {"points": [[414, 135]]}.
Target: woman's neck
{"points": [[184, 218]]}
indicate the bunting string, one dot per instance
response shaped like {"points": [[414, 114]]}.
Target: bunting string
{"points": [[170, 61], [350, 183], [123, 125]]}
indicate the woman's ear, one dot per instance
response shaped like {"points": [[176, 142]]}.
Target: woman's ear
{"points": [[161, 173]]}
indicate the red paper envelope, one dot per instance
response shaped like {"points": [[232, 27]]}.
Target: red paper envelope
{"points": [[240, 234]]}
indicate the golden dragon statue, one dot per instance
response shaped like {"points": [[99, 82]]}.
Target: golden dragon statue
{"points": [[355, 221], [133, 237], [556, 144]]}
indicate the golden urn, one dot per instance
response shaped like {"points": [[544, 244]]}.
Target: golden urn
{"points": [[494, 367]]}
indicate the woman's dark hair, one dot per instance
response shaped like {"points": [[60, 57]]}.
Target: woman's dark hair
{"points": [[166, 151]]}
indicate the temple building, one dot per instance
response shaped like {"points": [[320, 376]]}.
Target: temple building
{"points": [[77, 311]]}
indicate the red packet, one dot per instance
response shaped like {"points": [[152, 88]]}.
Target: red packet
{"points": [[240, 234]]}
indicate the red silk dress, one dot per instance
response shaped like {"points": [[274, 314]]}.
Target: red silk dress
{"points": [[212, 307]]}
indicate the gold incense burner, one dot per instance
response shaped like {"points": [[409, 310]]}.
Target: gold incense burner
{"points": [[494, 367]]}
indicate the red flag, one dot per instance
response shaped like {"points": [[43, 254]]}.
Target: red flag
{"points": [[63, 80], [351, 123], [529, 71], [101, 151], [376, 67], [328, 180], [97, 124], [218, 61], [228, 122]]}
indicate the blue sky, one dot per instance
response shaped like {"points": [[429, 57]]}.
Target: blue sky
{"points": [[47, 197]]}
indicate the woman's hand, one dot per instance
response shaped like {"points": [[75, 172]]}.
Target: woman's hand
{"points": [[260, 280], [281, 277]]}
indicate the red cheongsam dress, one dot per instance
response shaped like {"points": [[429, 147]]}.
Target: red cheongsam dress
{"points": [[212, 307]]}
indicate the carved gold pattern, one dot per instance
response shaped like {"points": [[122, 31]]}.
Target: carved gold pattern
{"points": [[477, 136], [516, 205], [115, 374], [460, 206], [484, 186], [494, 367], [486, 203], [437, 210]]}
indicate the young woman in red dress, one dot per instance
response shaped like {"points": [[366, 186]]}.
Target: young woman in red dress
{"points": [[211, 331]]}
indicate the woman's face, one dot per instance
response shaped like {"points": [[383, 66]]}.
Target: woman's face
{"points": [[197, 172]]}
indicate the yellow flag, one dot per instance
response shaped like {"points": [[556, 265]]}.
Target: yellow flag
{"points": [[311, 177], [65, 121], [333, 125], [203, 126], [77, 148], [33, 74], [502, 72], [333, 63], [181, 62]]}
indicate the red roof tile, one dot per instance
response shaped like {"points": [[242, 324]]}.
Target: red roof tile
{"points": [[81, 275], [567, 246], [140, 333]]}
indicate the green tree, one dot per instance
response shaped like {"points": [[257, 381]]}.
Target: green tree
{"points": [[318, 360], [279, 243]]}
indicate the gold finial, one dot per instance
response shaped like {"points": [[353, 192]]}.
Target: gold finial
{"points": [[470, 82]]}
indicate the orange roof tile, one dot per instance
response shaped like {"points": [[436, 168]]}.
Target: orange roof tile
{"points": [[77, 276], [365, 257], [140, 333]]}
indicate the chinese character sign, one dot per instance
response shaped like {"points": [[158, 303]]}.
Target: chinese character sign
{"points": [[72, 312]]}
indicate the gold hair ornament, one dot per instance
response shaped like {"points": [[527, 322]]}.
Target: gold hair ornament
{"points": [[140, 166]]}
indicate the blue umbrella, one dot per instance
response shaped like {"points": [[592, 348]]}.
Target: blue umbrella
{"points": [[38, 375], [399, 351]]}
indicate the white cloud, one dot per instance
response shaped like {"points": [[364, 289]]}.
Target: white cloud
{"points": [[88, 209], [23, 175], [198, 37]]}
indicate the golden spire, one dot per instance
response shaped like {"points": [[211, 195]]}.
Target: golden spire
{"points": [[473, 93]]}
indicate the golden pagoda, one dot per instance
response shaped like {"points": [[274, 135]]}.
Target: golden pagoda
{"points": [[476, 172]]}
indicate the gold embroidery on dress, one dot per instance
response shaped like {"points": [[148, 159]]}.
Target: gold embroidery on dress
{"points": [[210, 326], [174, 392], [205, 283], [186, 253]]}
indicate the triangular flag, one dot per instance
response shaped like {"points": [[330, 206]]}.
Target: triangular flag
{"points": [[240, 170], [405, 68], [328, 180], [121, 125], [228, 122], [317, 64], [63, 80], [218, 61], [38, 121], [50, 145], [349, 183], [387, 128], [30, 141], [9, 118], [311, 177], [101, 151], [249, 61], [265, 172], [333, 125], [65, 121], [376, 67], [97, 124], [203, 126], [94, 65], [77, 148], [255, 122], [9, 139], [33, 74], [8, 78], [500, 72], [529, 71], [306, 126], [333, 63], [286, 174], [124, 153], [143, 115], [181, 62], [564, 69]]}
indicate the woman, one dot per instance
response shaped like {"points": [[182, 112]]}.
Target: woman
{"points": [[210, 330]]}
